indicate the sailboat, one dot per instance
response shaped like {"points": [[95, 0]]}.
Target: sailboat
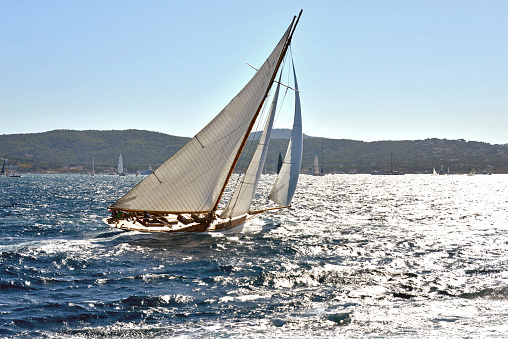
{"points": [[93, 167], [120, 166], [392, 172], [434, 171], [473, 172], [315, 166], [183, 194], [147, 171], [2, 172]]}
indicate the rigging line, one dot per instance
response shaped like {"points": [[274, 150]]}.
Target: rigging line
{"points": [[267, 108], [252, 148], [280, 83], [285, 45], [281, 104], [247, 153], [290, 56], [249, 150]]}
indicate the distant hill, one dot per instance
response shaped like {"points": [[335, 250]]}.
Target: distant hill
{"points": [[65, 148], [277, 133], [72, 151]]}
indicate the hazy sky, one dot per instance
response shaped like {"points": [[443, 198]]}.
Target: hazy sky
{"points": [[367, 70]]}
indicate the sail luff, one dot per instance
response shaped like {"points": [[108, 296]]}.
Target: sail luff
{"points": [[242, 197]]}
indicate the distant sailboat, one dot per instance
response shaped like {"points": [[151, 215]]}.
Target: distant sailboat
{"points": [[147, 171], [473, 172], [120, 171], [93, 167], [390, 172], [2, 172], [434, 171], [183, 194], [315, 166]]}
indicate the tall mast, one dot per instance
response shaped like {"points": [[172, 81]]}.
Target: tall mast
{"points": [[246, 136]]}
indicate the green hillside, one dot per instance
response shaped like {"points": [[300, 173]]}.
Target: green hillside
{"points": [[62, 149], [72, 151]]}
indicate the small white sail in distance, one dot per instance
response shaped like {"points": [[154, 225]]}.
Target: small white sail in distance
{"points": [[315, 169], [242, 197], [120, 164], [285, 185]]}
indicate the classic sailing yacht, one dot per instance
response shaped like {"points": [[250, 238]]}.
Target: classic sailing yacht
{"points": [[184, 193]]}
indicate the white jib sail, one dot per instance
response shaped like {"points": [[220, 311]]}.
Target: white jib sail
{"points": [[285, 185], [242, 197], [192, 179], [120, 164]]}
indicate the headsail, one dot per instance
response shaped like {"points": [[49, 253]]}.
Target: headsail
{"points": [[242, 197], [193, 179], [285, 185]]}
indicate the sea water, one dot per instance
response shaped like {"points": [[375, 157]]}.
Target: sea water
{"points": [[356, 256]]}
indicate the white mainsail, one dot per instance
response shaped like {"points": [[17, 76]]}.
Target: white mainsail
{"points": [[120, 164], [242, 197], [93, 167], [285, 185], [192, 180]]}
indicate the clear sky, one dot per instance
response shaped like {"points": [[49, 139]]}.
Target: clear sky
{"points": [[367, 70]]}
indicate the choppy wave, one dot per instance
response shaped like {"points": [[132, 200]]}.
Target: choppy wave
{"points": [[356, 256]]}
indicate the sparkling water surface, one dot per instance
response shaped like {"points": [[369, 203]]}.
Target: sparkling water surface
{"points": [[356, 256]]}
